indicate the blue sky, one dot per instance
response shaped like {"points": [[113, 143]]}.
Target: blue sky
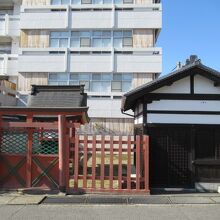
{"points": [[190, 27]]}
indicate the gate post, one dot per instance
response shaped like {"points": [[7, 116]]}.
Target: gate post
{"points": [[146, 161], [62, 137], [29, 152]]}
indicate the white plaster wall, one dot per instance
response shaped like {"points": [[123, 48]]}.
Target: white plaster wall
{"points": [[185, 105], [183, 119], [138, 118], [203, 85], [181, 86]]}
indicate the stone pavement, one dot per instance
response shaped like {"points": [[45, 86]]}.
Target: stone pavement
{"points": [[16, 198]]}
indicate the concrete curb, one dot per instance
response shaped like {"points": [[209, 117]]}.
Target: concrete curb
{"points": [[131, 200]]}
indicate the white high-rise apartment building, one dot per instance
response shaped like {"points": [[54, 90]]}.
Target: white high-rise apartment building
{"points": [[108, 45]]}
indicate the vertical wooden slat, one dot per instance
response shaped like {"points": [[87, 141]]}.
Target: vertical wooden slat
{"points": [[120, 163], [67, 164], [85, 154], [29, 156], [62, 159], [129, 164], [138, 142], [146, 161], [94, 162], [102, 175], [29, 152], [111, 163], [76, 161]]}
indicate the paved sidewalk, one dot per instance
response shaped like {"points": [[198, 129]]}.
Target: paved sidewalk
{"points": [[129, 200], [16, 198]]}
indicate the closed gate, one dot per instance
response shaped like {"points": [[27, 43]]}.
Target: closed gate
{"points": [[117, 164], [28, 158]]}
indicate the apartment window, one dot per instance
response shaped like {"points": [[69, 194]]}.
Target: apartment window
{"points": [[121, 82], [101, 38], [97, 38], [94, 82], [58, 79], [118, 1], [80, 39], [86, 1], [77, 2], [128, 1], [80, 79], [101, 82], [122, 39], [59, 39], [60, 2]]}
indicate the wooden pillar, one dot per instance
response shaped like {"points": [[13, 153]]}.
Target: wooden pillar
{"points": [[29, 152], [1, 131], [62, 137], [146, 161]]}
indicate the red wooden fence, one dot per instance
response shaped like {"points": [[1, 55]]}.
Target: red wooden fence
{"points": [[108, 164], [50, 154]]}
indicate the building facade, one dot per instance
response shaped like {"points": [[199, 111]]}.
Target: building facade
{"points": [[107, 45], [180, 113]]}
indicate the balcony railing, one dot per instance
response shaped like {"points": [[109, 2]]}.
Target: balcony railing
{"points": [[141, 60], [9, 25], [92, 16], [8, 64]]}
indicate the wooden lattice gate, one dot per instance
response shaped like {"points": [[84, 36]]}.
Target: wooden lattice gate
{"points": [[116, 164], [29, 158]]}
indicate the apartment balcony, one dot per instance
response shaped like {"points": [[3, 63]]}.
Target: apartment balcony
{"points": [[8, 64], [9, 25], [92, 16], [91, 60]]}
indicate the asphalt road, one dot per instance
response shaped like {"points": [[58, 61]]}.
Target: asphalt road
{"points": [[96, 212]]}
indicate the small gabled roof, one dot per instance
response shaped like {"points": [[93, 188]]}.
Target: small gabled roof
{"points": [[57, 96], [47, 102], [129, 99]]}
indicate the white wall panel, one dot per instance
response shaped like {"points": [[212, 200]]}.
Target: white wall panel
{"points": [[41, 63], [181, 86], [184, 105], [138, 19], [43, 20], [138, 63], [90, 63], [203, 85], [183, 119]]}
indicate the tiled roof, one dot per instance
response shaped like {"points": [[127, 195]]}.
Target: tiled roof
{"points": [[57, 96], [129, 99]]}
